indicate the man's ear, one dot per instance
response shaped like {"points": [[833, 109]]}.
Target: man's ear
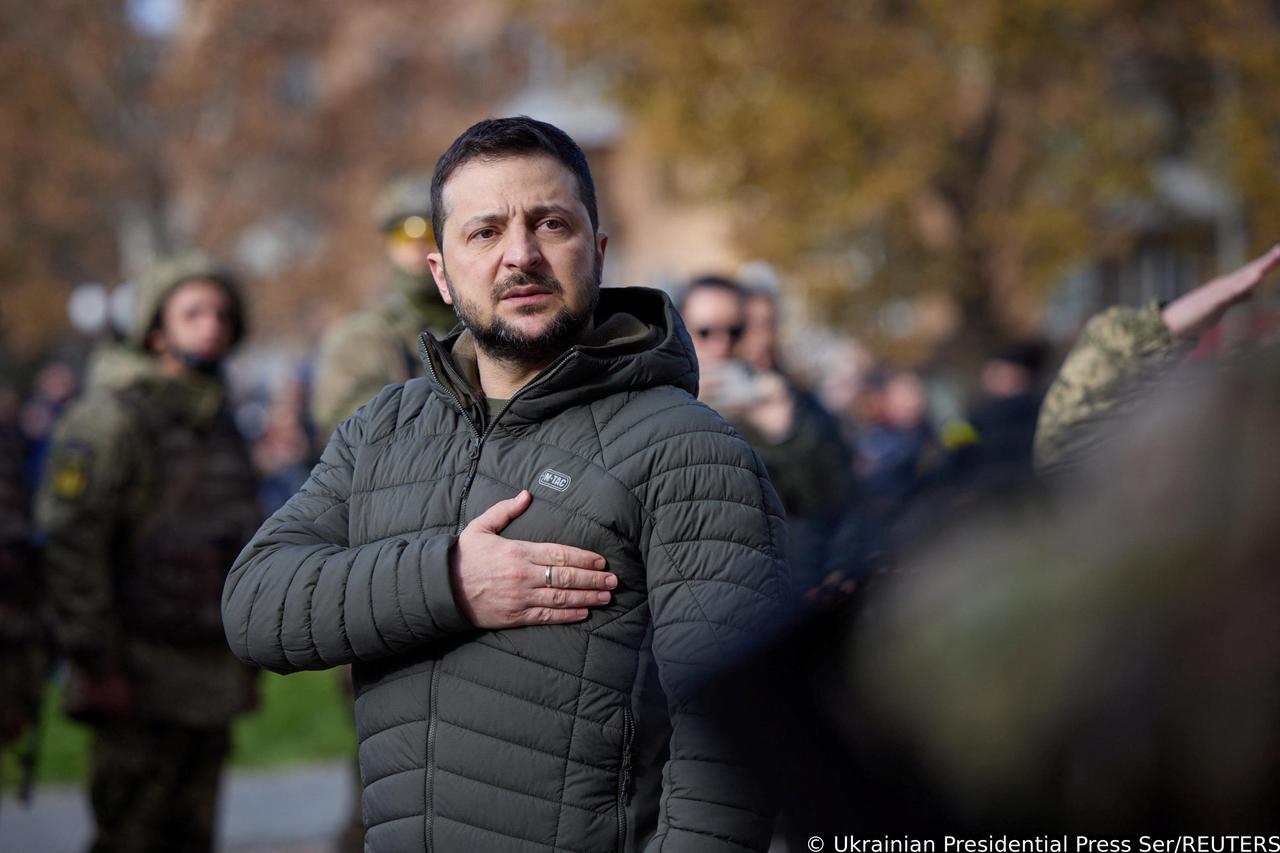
{"points": [[435, 260]]}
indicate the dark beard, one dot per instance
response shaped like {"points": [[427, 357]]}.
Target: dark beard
{"points": [[503, 342]]}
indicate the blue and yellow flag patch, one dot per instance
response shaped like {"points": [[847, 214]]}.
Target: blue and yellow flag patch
{"points": [[71, 466]]}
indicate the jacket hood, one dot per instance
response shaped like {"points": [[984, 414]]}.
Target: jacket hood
{"points": [[165, 275], [638, 342]]}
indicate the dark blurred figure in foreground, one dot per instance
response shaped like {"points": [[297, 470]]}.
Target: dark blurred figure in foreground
{"points": [[148, 496], [735, 336], [24, 656], [378, 345], [1106, 663]]}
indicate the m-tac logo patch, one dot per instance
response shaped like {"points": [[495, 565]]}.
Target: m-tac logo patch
{"points": [[553, 479]]}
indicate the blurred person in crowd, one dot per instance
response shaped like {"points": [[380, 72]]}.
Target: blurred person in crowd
{"points": [[24, 657], [378, 345], [55, 385], [988, 454], [735, 335], [10, 407], [841, 384], [897, 449], [1121, 352], [1004, 419], [148, 496], [758, 346], [282, 453], [511, 655]]}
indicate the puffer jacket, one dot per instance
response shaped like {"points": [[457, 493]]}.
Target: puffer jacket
{"points": [[527, 739]]}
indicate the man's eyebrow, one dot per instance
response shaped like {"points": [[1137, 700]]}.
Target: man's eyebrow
{"points": [[536, 212], [484, 219], [541, 210]]}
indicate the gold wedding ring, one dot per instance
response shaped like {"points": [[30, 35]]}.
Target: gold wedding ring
{"points": [[549, 583]]}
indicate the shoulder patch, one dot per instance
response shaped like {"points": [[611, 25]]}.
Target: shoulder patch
{"points": [[70, 470]]}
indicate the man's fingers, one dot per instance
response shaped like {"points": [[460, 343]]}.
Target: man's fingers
{"points": [[551, 616], [569, 598], [497, 517], [1257, 269], [551, 554], [1270, 260], [568, 578]]}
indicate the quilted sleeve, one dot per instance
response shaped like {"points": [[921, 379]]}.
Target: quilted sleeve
{"points": [[718, 587], [299, 597]]}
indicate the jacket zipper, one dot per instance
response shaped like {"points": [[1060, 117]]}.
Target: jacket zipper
{"points": [[429, 792], [482, 437], [473, 465], [624, 774]]}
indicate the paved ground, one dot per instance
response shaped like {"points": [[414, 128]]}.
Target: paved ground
{"points": [[292, 811], [296, 811]]}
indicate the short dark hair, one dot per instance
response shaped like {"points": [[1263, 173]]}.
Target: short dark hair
{"points": [[498, 138], [712, 282]]}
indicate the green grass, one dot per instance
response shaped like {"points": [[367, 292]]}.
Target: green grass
{"points": [[300, 718]]}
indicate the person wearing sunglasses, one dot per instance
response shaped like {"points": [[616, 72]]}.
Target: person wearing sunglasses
{"points": [[800, 443], [378, 345]]}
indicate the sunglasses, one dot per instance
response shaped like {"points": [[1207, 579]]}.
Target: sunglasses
{"points": [[734, 332]]}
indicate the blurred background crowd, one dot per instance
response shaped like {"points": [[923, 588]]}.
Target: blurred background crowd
{"points": [[885, 223]]}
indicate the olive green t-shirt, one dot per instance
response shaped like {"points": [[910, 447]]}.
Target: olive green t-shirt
{"points": [[494, 407]]}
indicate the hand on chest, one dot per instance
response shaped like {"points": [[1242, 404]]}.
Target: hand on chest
{"points": [[439, 485]]}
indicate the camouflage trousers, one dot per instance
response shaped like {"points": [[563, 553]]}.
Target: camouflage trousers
{"points": [[154, 786]]}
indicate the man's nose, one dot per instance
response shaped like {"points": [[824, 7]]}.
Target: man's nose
{"points": [[521, 250]]}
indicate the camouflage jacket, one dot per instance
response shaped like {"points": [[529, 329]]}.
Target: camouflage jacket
{"points": [[1120, 353], [148, 497], [372, 348]]}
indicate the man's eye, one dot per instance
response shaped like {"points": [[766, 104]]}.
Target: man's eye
{"points": [[553, 224], [483, 234]]}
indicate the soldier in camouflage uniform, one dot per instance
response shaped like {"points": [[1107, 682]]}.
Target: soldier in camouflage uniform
{"points": [[148, 497], [378, 345], [1121, 352]]}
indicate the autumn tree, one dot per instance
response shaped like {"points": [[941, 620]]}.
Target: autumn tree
{"points": [[260, 131], [881, 149]]}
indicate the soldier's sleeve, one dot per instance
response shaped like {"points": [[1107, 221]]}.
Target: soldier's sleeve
{"points": [[353, 364], [79, 509], [300, 596], [1120, 354], [718, 588]]}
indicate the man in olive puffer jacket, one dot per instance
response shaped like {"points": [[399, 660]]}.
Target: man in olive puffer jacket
{"points": [[513, 550]]}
